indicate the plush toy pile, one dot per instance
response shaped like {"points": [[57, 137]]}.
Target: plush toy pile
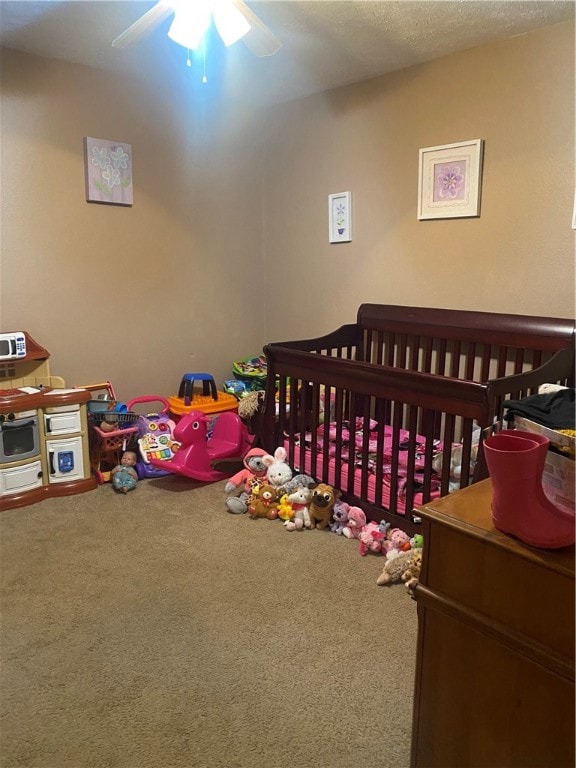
{"points": [[267, 488]]}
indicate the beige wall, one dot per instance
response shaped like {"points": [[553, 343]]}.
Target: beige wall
{"points": [[226, 245], [136, 295], [517, 95]]}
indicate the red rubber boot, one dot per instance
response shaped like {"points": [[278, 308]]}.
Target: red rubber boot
{"points": [[520, 507]]}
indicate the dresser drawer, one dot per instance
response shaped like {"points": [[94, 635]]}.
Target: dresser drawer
{"points": [[533, 600]]}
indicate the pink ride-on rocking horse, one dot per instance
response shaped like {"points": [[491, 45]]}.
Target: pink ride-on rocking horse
{"points": [[197, 453]]}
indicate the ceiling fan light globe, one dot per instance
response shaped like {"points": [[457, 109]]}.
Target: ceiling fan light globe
{"points": [[190, 23], [231, 24]]}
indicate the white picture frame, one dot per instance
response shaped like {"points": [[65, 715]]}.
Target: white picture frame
{"points": [[340, 217], [574, 212], [449, 180]]}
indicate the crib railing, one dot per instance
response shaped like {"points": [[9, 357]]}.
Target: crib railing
{"points": [[384, 437]]}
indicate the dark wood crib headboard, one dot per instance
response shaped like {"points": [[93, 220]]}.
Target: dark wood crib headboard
{"points": [[469, 345]]}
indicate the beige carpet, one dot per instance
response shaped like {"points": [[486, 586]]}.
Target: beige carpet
{"points": [[155, 630]]}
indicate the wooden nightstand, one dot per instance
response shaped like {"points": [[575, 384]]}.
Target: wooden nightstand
{"points": [[495, 668]]}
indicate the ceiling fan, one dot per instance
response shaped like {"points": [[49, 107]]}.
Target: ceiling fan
{"points": [[233, 19]]}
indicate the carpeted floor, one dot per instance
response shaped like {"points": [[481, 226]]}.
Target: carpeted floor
{"points": [[155, 630]]}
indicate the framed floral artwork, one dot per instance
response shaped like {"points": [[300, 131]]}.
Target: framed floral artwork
{"points": [[340, 217], [108, 171], [449, 180]]}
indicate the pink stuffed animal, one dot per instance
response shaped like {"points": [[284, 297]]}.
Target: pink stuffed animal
{"points": [[356, 521], [398, 540], [371, 538]]}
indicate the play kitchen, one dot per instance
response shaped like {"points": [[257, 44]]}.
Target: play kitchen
{"points": [[43, 429]]}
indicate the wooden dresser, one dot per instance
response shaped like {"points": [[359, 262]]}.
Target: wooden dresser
{"points": [[495, 668]]}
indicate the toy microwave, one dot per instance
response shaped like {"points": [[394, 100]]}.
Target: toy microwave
{"points": [[12, 345]]}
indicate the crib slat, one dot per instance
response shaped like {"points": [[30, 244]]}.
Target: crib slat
{"points": [[414, 353], [397, 421], [427, 360], [519, 361], [470, 361], [402, 347], [411, 457], [429, 419], [447, 439], [502, 360], [486, 360], [441, 362], [391, 349], [456, 353]]}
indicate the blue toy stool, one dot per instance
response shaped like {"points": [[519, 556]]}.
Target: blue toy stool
{"points": [[186, 390]]}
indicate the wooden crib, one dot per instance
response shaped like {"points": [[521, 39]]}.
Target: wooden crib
{"points": [[390, 409]]}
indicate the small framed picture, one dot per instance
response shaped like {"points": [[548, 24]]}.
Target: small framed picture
{"points": [[449, 180], [574, 213], [107, 171], [340, 217]]}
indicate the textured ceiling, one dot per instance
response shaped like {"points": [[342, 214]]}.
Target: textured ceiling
{"points": [[326, 43]]}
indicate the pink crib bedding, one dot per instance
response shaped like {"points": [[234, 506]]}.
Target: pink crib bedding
{"points": [[359, 459]]}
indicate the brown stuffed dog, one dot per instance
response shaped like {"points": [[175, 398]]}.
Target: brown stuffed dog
{"points": [[323, 499]]}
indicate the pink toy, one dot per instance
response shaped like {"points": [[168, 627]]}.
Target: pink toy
{"points": [[356, 521], [242, 484], [196, 453], [371, 538], [397, 539]]}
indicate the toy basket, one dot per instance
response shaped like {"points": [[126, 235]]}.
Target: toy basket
{"points": [[123, 419], [106, 445], [117, 439]]}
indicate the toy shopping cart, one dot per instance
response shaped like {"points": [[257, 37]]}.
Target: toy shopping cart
{"points": [[112, 429]]}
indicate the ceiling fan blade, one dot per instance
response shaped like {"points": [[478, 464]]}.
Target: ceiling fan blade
{"points": [[144, 25], [260, 39]]}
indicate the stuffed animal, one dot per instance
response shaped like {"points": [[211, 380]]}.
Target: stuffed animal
{"points": [[323, 499], [278, 472], [396, 567], [263, 503], [242, 482], [285, 511], [298, 480], [412, 574], [417, 541], [356, 521], [397, 539], [385, 527], [371, 538], [339, 517], [300, 499], [456, 463]]}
